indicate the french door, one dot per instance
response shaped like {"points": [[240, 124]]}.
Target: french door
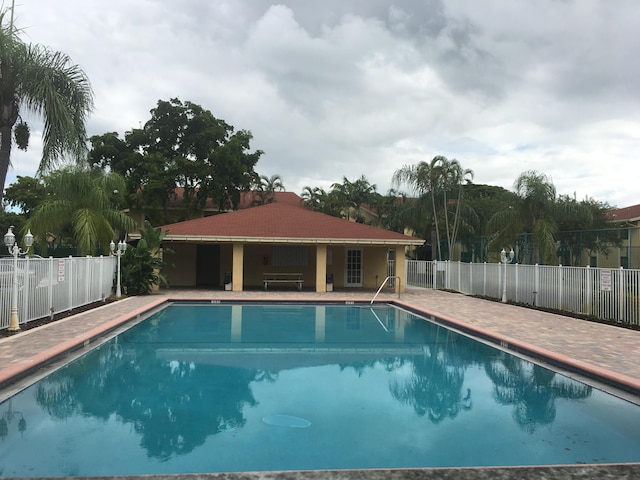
{"points": [[353, 274]]}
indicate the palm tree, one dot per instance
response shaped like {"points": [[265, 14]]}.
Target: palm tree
{"points": [[353, 195], [452, 178], [534, 213], [36, 79], [83, 204], [266, 188], [434, 180], [321, 201]]}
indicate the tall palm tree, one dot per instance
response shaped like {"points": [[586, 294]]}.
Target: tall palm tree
{"points": [[452, 178], [82, 203], [36, 79], [421, 179], [434, 180]]}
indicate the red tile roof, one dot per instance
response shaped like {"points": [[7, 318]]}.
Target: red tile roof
{"points": [[246, 199], [631, 213], [282, 222]]}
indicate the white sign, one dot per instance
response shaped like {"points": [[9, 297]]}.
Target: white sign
{"points": [[605, 280], [61, 270]]}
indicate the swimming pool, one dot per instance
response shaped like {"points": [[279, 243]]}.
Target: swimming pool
{"points": [[231, 387]]}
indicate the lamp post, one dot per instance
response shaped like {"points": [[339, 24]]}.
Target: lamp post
{"points": [[122, 246], [14, 249], [504, 258]]}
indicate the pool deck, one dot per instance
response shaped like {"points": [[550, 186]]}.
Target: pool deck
{"points": [[602, 350]]}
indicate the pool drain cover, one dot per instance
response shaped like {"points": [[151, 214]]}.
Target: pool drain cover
{"points": [[286, 421]]}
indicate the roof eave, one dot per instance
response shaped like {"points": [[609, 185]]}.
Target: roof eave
{"points": [[285, 240]]}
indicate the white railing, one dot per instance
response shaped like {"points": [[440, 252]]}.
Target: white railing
{"points": [[603, 293], [51, 285]]}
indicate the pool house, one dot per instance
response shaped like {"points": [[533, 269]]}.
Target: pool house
{"points": [[282, 245]]}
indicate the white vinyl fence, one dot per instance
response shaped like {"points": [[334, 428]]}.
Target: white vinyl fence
{"points": [[51, 285], [603, 293]]}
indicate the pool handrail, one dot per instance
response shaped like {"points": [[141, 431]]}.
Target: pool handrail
{"points": [[383, 284]]}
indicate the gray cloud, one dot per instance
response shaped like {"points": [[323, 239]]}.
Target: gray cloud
{"points": [[345, 88]]}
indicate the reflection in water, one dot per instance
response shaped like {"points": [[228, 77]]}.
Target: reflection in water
{"points": [[189, 373], [531, 389], [7, 419], [437, 376]]}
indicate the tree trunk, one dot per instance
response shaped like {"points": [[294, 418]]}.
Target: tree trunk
{"points": [[5, 155]]}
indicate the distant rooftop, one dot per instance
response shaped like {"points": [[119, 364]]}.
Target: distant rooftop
{"points": [[626, 214]]}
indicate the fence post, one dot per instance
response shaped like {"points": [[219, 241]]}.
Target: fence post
{"points": [[434, 275], [560, 285], [52, 307], [621, 315], [536, 284], [588, 291], [102, 274], [26, 290], [71, 280], [516, 280], [484, 280], [89, 277]]}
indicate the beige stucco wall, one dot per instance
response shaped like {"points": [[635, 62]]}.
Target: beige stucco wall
{"points": [[374, 266], [182, 269], [256, 260]]}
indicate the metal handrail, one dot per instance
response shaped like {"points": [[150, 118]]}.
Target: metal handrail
{"points": [[383, 284]]}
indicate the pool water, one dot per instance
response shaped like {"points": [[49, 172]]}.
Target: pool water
{"points": [[217, 388]]}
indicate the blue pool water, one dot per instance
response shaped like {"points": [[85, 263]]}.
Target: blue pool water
{"points": [[212, 388]]}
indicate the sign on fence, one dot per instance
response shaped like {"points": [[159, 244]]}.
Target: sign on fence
{"points": [[60, 271], [605, 280]]}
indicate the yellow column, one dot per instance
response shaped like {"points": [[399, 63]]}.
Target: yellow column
{"points": [[238, 266], [400, 270], [321, 268]]}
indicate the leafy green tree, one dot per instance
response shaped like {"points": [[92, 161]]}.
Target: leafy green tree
{"points": [[392, 210], [142, 264], [110, 152], [36, 79], [26, 194], [182, 145], [83, 205], [8, 219], [584, 226], [481, 203]]}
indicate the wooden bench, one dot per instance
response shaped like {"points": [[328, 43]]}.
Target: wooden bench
{"points": [[295, 278]]}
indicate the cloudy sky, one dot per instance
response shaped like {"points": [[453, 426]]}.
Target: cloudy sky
{"points": [[344, 88]]}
